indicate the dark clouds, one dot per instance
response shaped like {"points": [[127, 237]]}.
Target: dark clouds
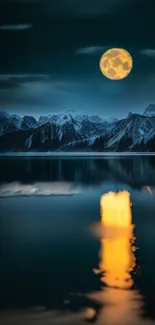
{"points": [[91, 50], [149, 52], [14, 81], [39, 93], [15, 27]]}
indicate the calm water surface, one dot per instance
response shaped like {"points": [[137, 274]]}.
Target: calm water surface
{"points": [[57, 263]]}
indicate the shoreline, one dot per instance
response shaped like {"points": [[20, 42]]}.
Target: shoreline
{"points": [[75, 154]]}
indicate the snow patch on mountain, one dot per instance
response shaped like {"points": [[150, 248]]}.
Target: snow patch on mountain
{"points": [[134, 127], [28, 141], [150, 135], [84, 144], [95, 119], [43, 119]]}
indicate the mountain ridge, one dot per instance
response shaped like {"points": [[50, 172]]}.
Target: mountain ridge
{"points": [[71, 131]]}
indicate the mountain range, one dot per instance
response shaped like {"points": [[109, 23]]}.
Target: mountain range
{"points": [[71, 131]]}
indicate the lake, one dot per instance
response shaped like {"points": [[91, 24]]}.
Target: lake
{"points": [[65, 261]]}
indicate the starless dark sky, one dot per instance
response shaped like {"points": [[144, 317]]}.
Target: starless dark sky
{"points": [[50, 52]]}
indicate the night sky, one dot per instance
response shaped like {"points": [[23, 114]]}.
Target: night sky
{"points": [[50, 52]]}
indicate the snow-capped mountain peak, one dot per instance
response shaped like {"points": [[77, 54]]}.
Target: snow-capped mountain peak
{"points": [[96, 119], [71, 111], [150, 110], [29, 122], [131, 130], [3, 114], [130, 114], [43, 119]]}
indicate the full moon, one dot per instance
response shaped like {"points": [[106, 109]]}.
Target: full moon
{"points": [[116, 64]]}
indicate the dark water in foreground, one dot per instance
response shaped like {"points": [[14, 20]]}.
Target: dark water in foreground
{"points": [[50, 243]]}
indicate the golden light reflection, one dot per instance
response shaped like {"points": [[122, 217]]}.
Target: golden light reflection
{"points": [[116, 261], [117, 258], [148, 188], [116, 209]]}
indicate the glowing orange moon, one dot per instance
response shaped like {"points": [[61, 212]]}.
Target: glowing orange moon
{"points": [[116, 64]]}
